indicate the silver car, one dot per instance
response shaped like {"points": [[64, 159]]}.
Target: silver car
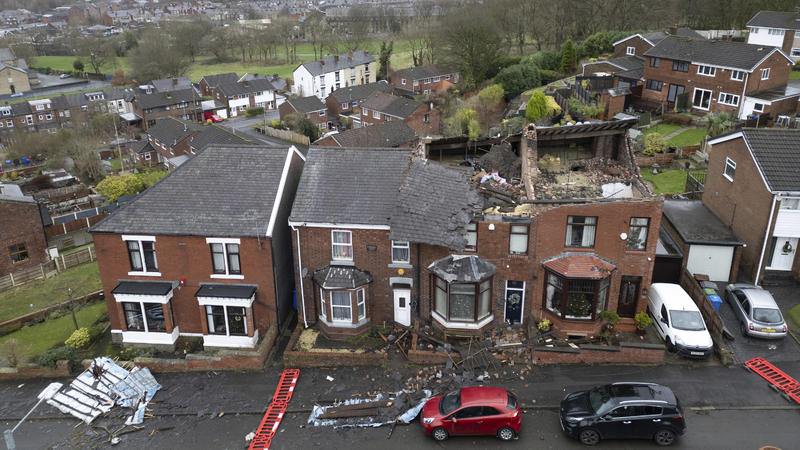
{"points": [[756, 310]]}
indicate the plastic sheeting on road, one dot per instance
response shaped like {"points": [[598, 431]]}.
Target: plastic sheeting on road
{"points": [[406, 416]]}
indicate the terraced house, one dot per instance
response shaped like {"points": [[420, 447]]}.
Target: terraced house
{"points": [[321, 77]]}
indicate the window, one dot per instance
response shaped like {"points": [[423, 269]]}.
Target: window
{"points": [[575, 298], [147, 317], [403, 81], [759, 107], [637, 233], [462, 302], [707, 71], [426, 118], [790, 204], [427, 80], [765, 74], [518, 241], [728, 99], [345, 105], [754, 30], [322, 113], [9, 123], [40, 107], [400, 252], [796, 51], [737, 75], [580, 231], [354, 104], [376, 114], [437, 79], [630, 51], [18, 253], [133, 316], [653, 62], [416, 83], [364, 112], [447, 77], [674, 91], [340, 306], [225, 258], [41, 117], [655, 85], [775, 32], [142, 255], [680, 66], [471, 235], [701, 98], [49, 117], [147, 156], [226, 320], [342, 245], [730, 169], [360, 304], [323, 309]]}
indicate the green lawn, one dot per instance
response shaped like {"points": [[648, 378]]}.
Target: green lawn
{"points": [[64, 63], [688, 137], [794, 313], [794, 75], [663, 129], [43, 293], [41, 337], [670, 181]]}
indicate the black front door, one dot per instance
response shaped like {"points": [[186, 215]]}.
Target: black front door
{"points": [[515, 293], [628, 293]]}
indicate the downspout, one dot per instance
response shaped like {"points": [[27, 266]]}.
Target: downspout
{"points": [[300, 272], [766, 236], [419, 289], [744, 91]]}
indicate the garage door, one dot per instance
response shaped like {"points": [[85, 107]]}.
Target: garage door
{"points": [[712, 260]]}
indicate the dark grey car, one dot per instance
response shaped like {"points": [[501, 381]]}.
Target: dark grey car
{"points": [[758, 314]]}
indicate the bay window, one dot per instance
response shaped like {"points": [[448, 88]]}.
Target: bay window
{"points": [[226, 320], [462, 302], [147, 317], [572, 298], [342, 305]]}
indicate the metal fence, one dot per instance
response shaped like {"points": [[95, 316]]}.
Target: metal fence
{"points": [[43, 270]]}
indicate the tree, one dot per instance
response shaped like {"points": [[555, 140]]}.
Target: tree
{"points": [[301, 124], [119, 78], [98, 50], [157, 56], [77, 65], [189, 35], [489, 99], [568, 57], [719, 123], [537, 106], [464, 122], [383, 58], [357, 26], [518, 78], [315, 27], [654, 143], [472, 46], [116, 186]]}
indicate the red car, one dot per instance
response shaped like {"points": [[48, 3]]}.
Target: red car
{"points": [[470, 411]]}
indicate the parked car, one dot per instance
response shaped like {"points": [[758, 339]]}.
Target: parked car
{"points": [[623, 411], [216, 119], [758, 314], [678, 320], [64, 75], [480, 410]]}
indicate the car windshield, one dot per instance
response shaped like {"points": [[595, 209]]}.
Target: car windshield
{"points": [[687, 320], [450, 402], [767, 315], [600, 400]]}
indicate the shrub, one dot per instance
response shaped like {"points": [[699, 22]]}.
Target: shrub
{"points": [[543, 326], [569, 57], [642, 320], [275, 123], [52, 356], [537, 106], [610, 317], [252, 112], [545, 59], [549, 76], [654, 143], [518, 78], [677, 119], [79, 338], [553, 108]]}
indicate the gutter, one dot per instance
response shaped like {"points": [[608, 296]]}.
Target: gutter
{"points": [[766, 236], [300, 272]]}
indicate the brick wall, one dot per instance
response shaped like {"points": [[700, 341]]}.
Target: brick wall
{"points": [[416, 120], [188, 257], [779, 70], [640, 44], [743, 204], [597, 354], [21, 224]]}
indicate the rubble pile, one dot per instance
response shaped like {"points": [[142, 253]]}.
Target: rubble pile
{"points": [[502, 159]]}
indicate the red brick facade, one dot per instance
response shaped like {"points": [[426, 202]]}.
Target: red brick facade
{"points": [[640, 46], [21, 225], [286, 108], [423, 120]]}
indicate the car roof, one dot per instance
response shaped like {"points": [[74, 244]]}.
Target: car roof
{"points": [[652, 392], [760, 298], [483, 395], [673, 296]]}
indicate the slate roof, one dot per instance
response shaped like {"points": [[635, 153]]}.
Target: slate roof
{"points": [[306, 105], [170, 130], [159, 288], [223, 191], [212, 134], [161, 99], [421, 72], [775, 19], [115, 93], [229, 87], [580, 265], [6, 54], [629, 66], [142, 146], [14, 193], [737, 55], [330, 64], [167, 84], [215, 80], [359, 92], [791, 89], [225, 290], [389, 104], [696, 224], [389, 134], [341, 277], [462, 268], [777, 156]]}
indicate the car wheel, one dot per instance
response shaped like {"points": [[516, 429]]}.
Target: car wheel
{"points": [[440, 434], [670, 346], [664, 437], [505, 434], [743, 329], [589, 437]]}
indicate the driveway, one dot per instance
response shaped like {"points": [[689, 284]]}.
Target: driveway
{"points": [[773, 350], [242, 125]]}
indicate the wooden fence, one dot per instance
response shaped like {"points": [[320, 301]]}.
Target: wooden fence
{"points": [[714, 321], [60, 264], [695, 182], [663, 159], [286, 135]]}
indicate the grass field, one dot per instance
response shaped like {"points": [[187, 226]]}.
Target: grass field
{"points": [[688, 137], [43, 293], [663, 129], [39, 338], [666, 182], [794, 75]]}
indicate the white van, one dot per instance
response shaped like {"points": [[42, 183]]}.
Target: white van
{"points": [[678, 320]]}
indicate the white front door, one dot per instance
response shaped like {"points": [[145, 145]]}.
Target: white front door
{"points": [[402, 307], [783, 255]]}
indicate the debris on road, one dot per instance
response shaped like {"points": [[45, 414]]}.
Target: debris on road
{"points": [[376, 411]]}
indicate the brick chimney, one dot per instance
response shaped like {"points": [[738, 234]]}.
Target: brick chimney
{"points": [[174, 81], [350, 55], [336, 58], [529, 153], [673, 30]]}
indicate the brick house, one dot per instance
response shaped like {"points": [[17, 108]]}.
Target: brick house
{"points": [[347, 100], [718, 75], [210, 82], [420, 242], [389, 134], [195, 258], [776, 29], [184, 104], [311, 107], [23, 241], [177, 140], [753, 187], [424, 79], [320, 77], [239, 96], [423, 118], [145, 154]]}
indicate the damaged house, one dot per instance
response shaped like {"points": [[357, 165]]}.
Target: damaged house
{"points": [[563, 231]]}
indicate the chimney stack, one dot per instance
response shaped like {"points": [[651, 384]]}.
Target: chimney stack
{"points": [[673, 30], [336, 58], [530, 160], [350, 55]]}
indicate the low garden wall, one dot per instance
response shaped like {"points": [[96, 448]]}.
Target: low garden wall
{"points": [[663, 159], [303, 359], [62, 370], [625, 352]]}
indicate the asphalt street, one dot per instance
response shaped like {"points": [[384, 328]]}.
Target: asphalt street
{"points": [[726, 407], [243, 126]]}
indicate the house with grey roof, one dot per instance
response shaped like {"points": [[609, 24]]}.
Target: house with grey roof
{"points": [[240, 95], [752, 186], [178, 140], [389, 134], [311, 107], [203, 259], [183, 103], [171, 84], [379, 107], [424, 79], [776, 29], [321, 77], [735, 77], [347, 99]]}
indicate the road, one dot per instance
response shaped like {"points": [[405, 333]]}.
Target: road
{"points": [[726, 407], [243, 126]]}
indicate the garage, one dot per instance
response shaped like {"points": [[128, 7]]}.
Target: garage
{"points": [[709, 246]]}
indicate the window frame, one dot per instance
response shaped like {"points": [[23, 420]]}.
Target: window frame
{"points": [[630, 51], [601, 290], [765, 73], [140, 308], [632, 226], [18, 253], [710, 96], [680, 66], [758, 107], [343, 245], [571, 223], [481, 291], [512, 233], [361, 304], [706, 71], [376, 114], [654, 61], [399, 245], [471, 229], [144, 269], [226, 319], [348, 307], [227, 257], [729, 163], [651, 82], [734, 97], [740, 74]]}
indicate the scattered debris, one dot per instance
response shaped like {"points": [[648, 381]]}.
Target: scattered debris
{"points": [[329, 378], [375, 411]]}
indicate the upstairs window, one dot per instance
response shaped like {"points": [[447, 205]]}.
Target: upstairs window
{"points": [[775, 32], [728, 99], [142, 254], [400, 252], [518, 241], [630, 51], [653, 62], [471, 235], [580, 231], [737, 75], [707, 71], [637, 233], [730, 169], [225, 256], [680, 66], [18, 253], [765, 74], [342, 245]]}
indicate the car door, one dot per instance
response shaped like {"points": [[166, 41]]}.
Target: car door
{"points": [[493, 420], [643, 421], [662, 321], [611, 425], [736, 298], [468, 421]]}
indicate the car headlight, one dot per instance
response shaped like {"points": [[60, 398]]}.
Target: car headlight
{"points": [[574, 419], [427, 420]]}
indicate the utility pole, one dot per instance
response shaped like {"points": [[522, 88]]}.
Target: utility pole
{"points": [[119, 150], [72, 309]]}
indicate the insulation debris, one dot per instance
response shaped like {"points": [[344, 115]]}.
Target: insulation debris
{"points": [[376, 411]]}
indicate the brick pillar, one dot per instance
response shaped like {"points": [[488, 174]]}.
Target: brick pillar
{"points": [[169, 323], [530, 159], [250, 321], [203, 319]]}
